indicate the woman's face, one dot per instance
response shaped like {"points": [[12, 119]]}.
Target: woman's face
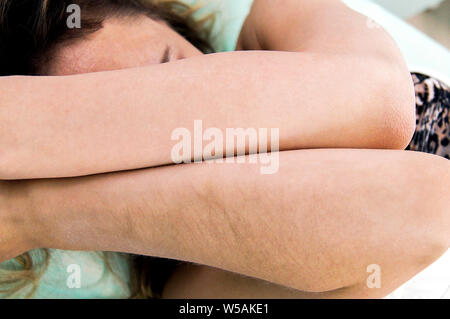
{"points": [[122, 43]]}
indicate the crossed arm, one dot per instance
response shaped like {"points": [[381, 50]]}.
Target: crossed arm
{"points": [[343, 85], [313, 227], [311, 230]]}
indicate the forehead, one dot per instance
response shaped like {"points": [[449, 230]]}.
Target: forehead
{"points": [[121, 43]]}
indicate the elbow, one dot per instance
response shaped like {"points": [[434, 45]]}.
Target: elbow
{"points": [[398, 130], [399, 112]]}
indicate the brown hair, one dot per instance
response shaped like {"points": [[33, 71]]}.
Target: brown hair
{"points": [[30, 32]]}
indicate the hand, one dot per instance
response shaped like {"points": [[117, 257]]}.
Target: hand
{"points": [[15, 237]]}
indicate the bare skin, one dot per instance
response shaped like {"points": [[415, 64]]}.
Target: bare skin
{"points": [[83, 124], [311, 230], [344, 208]]}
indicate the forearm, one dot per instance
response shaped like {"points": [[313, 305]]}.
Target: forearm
{"points": [[275, 228], [112, 121]]}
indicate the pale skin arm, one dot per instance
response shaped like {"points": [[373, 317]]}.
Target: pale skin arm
{"points": [[115, 190], [341, 95], [313, 227]]}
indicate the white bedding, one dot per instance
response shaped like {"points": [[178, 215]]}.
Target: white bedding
{"points": [[433, 282], [422, 53]]}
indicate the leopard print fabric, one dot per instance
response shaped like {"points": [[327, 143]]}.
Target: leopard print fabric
{"points": [[432, 111]]}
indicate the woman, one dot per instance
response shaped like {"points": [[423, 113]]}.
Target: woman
{"points": [[311, 230]]}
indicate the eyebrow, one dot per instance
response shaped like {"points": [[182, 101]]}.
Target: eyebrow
{"points": [[165, 57]]}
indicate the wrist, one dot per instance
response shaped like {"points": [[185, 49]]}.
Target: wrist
{"points": [[32, 225], [67, 215], [42, 224], [16, 228]]}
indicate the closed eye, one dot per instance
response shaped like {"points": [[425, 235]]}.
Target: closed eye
{"points": [[166, 56]]}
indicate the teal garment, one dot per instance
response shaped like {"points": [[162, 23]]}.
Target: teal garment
{"points": [[74, 275], [229, 18], [96, 280]]}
